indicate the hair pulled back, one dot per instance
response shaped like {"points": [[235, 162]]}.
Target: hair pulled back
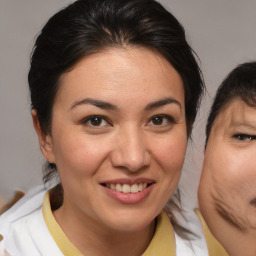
{"points": [[89, 26]]}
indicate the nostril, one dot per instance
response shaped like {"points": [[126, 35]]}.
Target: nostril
{"points": [[130, 153], [253, 202], [130, 162]]}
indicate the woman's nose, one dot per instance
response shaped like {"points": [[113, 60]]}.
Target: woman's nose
{"points": [[131, 151]]}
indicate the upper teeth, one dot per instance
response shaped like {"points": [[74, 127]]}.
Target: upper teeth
{"points": [[126, 188]]}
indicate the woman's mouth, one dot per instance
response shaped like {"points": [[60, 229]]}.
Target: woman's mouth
{"points": [[127, 188], [127, 191]]}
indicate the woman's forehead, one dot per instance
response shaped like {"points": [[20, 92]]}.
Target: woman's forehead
{"points": [[123, 72]]}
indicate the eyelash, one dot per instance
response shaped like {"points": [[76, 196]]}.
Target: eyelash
{"points": [[169, 119], [243, 137], [87, 120]]}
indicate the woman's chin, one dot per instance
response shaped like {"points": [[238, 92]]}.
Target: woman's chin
{"points": [[131, 223]]}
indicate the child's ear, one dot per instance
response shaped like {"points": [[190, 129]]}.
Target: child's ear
{"points": [[45, 140]]}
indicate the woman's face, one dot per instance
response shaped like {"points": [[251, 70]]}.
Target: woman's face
{"points": [[228, 179], [118, 137]]}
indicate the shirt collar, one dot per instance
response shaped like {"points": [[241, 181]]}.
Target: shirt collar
{"points": [[162, 243]]}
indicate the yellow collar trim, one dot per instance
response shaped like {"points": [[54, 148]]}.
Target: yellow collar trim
{"points": [[214, 247], [64, 244], [162, 243]]}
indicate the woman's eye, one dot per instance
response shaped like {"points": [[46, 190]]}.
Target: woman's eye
{"points": [[244, 137], [161, 120], [95, 121]]}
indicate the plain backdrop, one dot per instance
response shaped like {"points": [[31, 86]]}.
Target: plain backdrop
{"points": [[222, 33]]}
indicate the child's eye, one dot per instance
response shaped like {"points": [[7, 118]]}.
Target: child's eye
{"points": [[95, 121], [161, 120], [244, 137]]}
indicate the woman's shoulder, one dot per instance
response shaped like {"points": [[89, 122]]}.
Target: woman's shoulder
{"points": [[27, 204], [22, 227], [23, 210]]}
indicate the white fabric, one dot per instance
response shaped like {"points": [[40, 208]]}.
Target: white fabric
{"points": [[190, 248], [26, 234], [197, 245], [24, 230], [2, 253]]}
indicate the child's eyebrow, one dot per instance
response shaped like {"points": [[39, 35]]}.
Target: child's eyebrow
{"points": [[243, 124]]}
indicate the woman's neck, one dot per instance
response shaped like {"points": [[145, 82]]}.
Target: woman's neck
{"points": [[92, 238]]}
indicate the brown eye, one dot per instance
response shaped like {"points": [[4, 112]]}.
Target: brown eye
{"points": [[157, 120], [161, 120], [95, 121]]}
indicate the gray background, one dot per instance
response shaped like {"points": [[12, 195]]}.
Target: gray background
{"points": [[222, 32]]}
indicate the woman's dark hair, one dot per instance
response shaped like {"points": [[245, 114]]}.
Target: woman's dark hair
{"points": [[89, 26], [240, 83]]}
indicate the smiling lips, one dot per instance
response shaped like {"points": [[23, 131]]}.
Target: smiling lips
{"points": [[126, 188], [129, 191]]}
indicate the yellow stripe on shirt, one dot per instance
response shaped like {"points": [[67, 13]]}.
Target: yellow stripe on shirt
{"points": [[64, 244], [214, 247]]}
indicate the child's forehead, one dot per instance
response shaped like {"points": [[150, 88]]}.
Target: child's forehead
{"points": [[236, 113]]}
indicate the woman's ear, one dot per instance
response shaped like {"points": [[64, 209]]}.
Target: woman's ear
{"points": [[45, 140]]}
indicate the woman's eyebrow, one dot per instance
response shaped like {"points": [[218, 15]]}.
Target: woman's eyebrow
{"points": [[98, 103], [162, 102], [106, 105]]}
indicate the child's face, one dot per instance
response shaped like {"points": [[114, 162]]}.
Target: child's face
{"points": [[228, 181]]}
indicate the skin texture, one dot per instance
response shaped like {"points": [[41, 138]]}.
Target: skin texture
{"points": [[227, 188], [128, 143]]}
